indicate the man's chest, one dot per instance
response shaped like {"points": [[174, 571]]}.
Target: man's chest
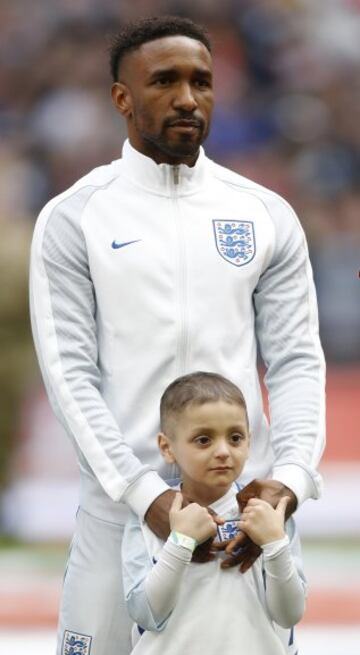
{"points": [[187, 245]]}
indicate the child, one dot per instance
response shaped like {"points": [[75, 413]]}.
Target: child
{"points": [[185, 608]]}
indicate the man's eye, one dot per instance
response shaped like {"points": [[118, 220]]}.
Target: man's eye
{"points": [[163, 81], [203, 83]]}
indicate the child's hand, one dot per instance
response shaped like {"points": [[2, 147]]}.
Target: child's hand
{"points": [[193, 521], [261, 522]]}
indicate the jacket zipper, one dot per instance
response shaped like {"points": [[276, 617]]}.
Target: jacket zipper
{"points": [[182, 278]]}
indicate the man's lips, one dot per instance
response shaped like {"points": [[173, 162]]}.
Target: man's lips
{"points": [[185, 123]]}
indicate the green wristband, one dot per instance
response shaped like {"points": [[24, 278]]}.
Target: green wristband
{"points": [[180, 539]]}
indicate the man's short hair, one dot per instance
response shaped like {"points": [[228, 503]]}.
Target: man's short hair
{"points": [[196, 389], [134, 34]]}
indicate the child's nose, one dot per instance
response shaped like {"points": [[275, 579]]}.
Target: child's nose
{"points": [[222, 450]]}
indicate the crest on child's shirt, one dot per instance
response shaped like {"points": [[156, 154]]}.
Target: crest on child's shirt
{"points": [[228, 530], [235, 241], [76, 644]]}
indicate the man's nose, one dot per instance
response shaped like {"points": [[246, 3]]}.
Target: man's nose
{"points": [[185, 99]]}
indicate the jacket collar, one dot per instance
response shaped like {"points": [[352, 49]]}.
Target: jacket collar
{"points": [[162, 179]]}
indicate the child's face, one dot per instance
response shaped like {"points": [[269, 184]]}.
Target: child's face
{"points": [[210, 444]]}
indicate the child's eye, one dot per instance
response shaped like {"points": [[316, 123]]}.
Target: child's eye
{"points": [[202, 440], [236, 438]]}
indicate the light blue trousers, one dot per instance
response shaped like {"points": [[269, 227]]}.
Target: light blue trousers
{"points": [[93, 617]]}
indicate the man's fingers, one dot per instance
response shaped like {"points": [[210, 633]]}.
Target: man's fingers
{"points": [[245, 558], [235, 559], [247, 562], [220, 545], [232, 545], [203, 552], [251, 490], [237, 542]]}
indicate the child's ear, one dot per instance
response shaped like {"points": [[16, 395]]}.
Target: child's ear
{"points": [[164, 444]]}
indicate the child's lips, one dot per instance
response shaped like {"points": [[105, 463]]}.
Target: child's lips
{"points": [[221, 468]]}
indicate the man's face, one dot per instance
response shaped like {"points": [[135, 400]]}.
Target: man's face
{"points": [[210, 444], [166, 95]]}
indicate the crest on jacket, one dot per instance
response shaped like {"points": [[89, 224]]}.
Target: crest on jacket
{"points": [[76, 644], [235, 241]]}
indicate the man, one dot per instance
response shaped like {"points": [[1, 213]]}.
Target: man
{"points": [[159, 264]]}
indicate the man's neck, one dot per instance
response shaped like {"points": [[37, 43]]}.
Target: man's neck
{"points": [[160, 157]]}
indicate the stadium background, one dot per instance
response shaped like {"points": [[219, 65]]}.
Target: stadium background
{"points": [[287, 76]]}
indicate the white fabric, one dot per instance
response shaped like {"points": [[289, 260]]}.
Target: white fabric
{"points": [[130, 288], [93, 601], [200, 608], [162, 583], [274, 547]]}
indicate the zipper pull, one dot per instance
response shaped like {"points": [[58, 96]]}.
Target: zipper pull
{"points": [[176, 170]]}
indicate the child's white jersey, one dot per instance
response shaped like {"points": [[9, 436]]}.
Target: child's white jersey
{"points": [[216, 611], [142, 272]]}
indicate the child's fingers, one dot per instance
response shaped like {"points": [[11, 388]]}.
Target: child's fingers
{"points": [[177, 502], [281, 506], [215, 517]]}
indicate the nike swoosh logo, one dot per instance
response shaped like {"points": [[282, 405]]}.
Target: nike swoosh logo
{"points": [[116, 245]]}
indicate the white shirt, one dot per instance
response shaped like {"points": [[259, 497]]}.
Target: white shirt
{"points": [[201, 608]]}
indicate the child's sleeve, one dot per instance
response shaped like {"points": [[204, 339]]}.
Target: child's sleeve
{"points": [[285, 584], [151, 587]]}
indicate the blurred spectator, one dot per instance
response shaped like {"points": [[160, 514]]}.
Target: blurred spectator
{"points": [[16, 354]]}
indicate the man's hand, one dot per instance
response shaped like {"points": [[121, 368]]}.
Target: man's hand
{"points": [[269, 490], [157, 516], [241, 549]]}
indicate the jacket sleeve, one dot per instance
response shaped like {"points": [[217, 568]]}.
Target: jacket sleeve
{"points": [[63, 315], [287, 329]]}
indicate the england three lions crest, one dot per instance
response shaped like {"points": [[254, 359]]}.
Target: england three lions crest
{"points": [[76, 644], [235, 241]]}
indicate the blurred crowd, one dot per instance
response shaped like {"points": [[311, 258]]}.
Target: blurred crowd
{"points": [[287, 76]]}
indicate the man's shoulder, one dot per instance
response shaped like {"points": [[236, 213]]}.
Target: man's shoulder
{"points": [[244, 184], [98, 178]]}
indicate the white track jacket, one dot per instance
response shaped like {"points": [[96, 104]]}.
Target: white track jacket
{"points": [[143, 272]]}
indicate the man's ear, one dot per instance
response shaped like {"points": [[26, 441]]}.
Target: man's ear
{"points": [[164, 444], [122, 99]]}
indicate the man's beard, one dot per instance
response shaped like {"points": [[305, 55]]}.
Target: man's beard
{"points": [[183, 146]]}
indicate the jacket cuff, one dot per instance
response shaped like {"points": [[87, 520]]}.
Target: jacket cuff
{"points": [[141, 493], [304, 481]]}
